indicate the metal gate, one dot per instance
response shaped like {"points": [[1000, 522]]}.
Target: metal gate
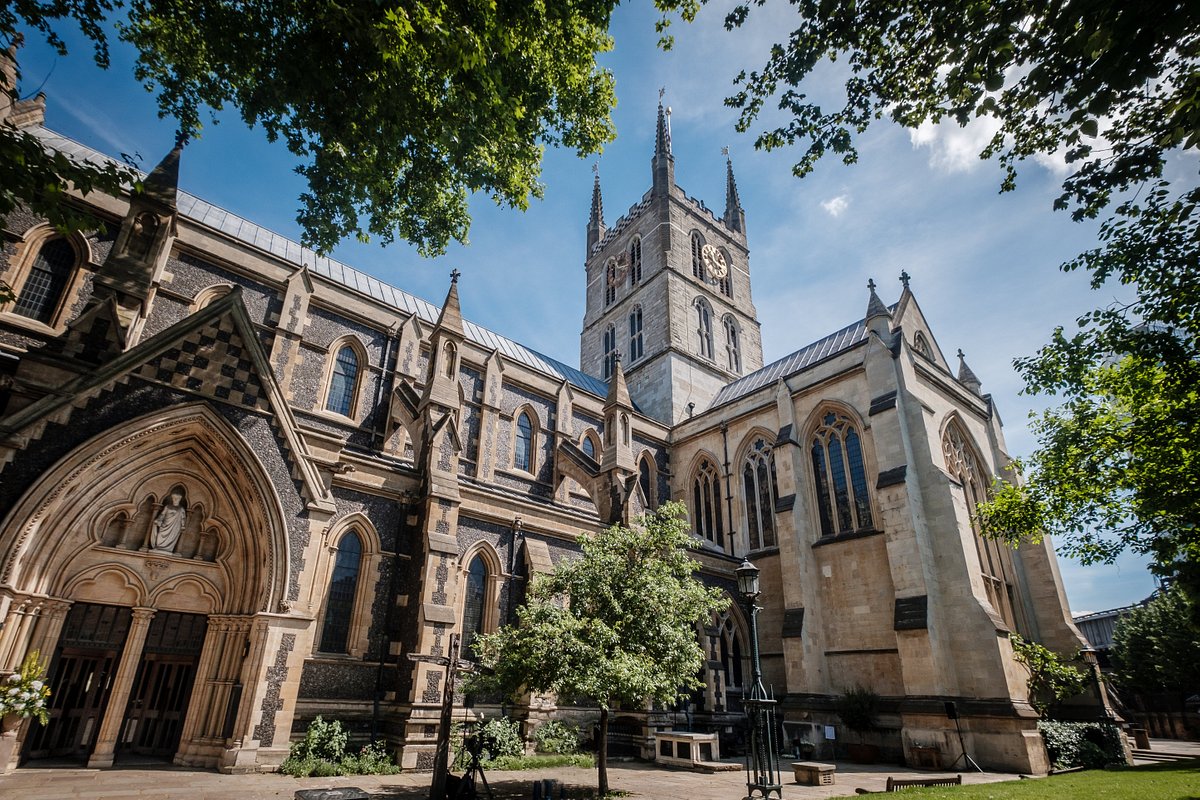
{"points": [[159, 699]]}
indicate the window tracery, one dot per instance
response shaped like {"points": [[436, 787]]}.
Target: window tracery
{"points": [[343, 382], [697, 260], [843, 503], [635, 334], [42, 293], [706, 503], [760, 493], [733, 350], [610, 351], [704, 331], [635, 261], [343, 589]]}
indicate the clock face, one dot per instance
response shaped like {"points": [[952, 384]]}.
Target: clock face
{"points": [[714, 260]]}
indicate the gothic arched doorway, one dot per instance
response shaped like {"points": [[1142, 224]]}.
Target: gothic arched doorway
{"points": [[144, 562]]}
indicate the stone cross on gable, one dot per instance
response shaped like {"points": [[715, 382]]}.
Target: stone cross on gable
{"points": [[904, 278], [871, 284]]}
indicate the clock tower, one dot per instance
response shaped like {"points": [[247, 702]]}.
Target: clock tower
{"points": [[668, 287]]}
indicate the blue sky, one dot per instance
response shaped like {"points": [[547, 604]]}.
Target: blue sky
{"points": [[983, 264]]}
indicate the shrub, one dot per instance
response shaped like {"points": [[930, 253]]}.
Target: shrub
{"points": [[542, 762], [499, 737], [858, 708], [560, 738], [322, 754], [1082, 744]]}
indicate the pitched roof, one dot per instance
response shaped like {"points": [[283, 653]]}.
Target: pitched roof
{"points": [[280, 246], [789, 365]]}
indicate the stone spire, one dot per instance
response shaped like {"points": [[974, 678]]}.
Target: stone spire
{"points": [[441, 384], [966, 377], [878, 317], [663, 162], [595, 226], [735, 217], [162, 184], [618, 409]]}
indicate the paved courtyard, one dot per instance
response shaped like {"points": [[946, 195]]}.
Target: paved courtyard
{"points": [[154, 782]]}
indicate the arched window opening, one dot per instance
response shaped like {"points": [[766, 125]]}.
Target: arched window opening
{"points": [[995, 562], [704, 328], [726, 282], [635, 334], [761, 493], [635, 261], [589, 447], [706, 503], [733, 346], [843, 503], [610, 351], [697, 260], [450, 351], [730, 655], [343, 382], [343, 587], [523, 451], [625, 429], [610, 282], [42, 293], [473, 605], [921, 345], [646, 481]]}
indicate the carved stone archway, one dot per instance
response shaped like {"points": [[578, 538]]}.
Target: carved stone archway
{"points": [[170, 513]]}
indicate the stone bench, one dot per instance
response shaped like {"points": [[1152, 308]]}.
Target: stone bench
{"points": [[813, 773], [683, 749]]}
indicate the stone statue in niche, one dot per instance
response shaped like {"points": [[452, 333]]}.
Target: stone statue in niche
{"points": [[168, 525], [141, 237]]}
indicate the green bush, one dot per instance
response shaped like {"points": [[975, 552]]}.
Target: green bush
{"points": [[560, 738], [322, 754], [542, 762], [1082, 744], [499, 737]]}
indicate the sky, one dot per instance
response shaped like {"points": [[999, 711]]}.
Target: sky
{"points": [[983, 264]]}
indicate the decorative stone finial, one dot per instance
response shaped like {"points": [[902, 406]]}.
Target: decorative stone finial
{"points": [[904, 278], [454, 275]]}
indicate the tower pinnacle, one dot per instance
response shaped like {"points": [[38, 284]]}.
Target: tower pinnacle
{"points": [[663, 162], [595, 227], [735, 217]]}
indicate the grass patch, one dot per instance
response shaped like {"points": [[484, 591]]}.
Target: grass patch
{"points": [[541, 761], [1178, 781]]}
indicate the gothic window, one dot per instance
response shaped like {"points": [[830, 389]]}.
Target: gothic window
{"points": [[473, 605], [733, 349], [635, 334], [343, 382], [646, 479], [610, 283], [448, 353], [730, 654], [697, 261], [704, 332], [635, 261], [209, 295], [726, 283], [706, 503], [588, 446], [995, 564], [41, 295], [343, 587], [761, 493], [610, 351], [841, 478], [921, 345], [523, 449]]}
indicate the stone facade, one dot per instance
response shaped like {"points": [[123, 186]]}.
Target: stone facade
{"points": [[234, 467]]}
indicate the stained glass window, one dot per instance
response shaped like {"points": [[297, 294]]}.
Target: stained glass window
{"points": [[706, 503], [758, 483], [343, 381], [48, 277], [843, 502], [343, 586], [473, 604], [523, 452]]}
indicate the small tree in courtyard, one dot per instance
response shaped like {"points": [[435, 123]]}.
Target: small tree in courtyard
{"points": [[1052, 678], [616, 626]]}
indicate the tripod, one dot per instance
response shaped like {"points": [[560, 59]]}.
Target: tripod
{"points": [[466, 789], [962, 746]]}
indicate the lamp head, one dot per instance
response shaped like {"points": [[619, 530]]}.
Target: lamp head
{"points": [[747, 579]]}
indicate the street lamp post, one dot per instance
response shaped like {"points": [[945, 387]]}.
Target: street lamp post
{"points": [[762, 774]]}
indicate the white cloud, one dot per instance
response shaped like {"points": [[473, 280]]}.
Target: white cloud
{"points": [[836, 206], [955, 148]]}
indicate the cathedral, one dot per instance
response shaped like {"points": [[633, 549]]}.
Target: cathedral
{"points": [[242, 484]]}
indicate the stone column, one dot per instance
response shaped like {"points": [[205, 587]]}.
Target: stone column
{"points": [[118, 699]]}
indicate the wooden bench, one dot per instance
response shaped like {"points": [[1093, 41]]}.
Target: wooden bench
{"points": [[813, 773]]}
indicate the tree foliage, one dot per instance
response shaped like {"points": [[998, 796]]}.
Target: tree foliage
{"points": [[1156, 648], [396, 110], [616, 625], [1113, 89], [1052, 678]]}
